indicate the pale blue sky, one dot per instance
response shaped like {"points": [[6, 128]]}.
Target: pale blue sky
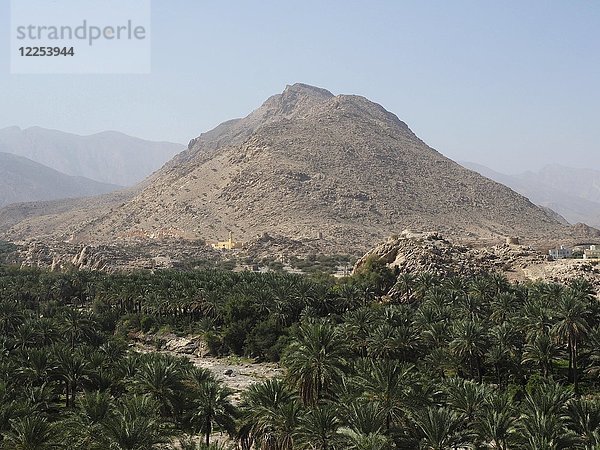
{"points": [[509, 84]]}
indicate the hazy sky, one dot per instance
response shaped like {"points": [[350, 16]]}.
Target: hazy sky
{"points": [[509, 84]]}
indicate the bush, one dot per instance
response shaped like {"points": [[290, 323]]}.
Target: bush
{"points": [[375, 273], [147, 323], [127, 324], [234, 336], [106, 318], [262, 339], [165, 329], [214, 344]]}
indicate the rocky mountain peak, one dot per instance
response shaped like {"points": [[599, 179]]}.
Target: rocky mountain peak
{"points": [[301, 89], [296, 100], [338, 171]]}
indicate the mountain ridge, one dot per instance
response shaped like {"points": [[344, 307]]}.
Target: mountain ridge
{"points": [[338, 169], [572, 193], [108, 156], [22, 179]]}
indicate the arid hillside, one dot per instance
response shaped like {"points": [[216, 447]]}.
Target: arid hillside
{"points": [[308, 165]]}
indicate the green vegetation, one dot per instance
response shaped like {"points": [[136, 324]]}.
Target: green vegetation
{"points": [[66, 381], [6, 248], [443, 364], [313, 264], [328, 264]]}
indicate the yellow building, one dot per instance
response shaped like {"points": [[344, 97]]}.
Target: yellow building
{"points": [[229, 244]]}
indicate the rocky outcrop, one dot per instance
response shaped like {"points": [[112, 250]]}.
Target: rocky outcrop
{"points": [[59, 256], [430, 252], [188, 345]]}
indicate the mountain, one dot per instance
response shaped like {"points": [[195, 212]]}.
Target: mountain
{"points": [[310, 166], [23, 180], [109, 157], [573, 193], [582, 183]]}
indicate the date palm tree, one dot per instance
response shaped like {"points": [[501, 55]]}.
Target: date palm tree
{"points": [[72, 369], [10, 408], [318, 429], [357, 327], [543, 419], [364, 417], [387, 383], [438, 429], [213, 409], [384, 341], [84, 426], [541, 352], [404, 286], [535, 318], [36, 365], [31, 433], [161, 377], [496, 421], [423, 283], [353, 440], [503, 305], [315, 360], [593, 346], [464, 397], [11, 317], [584, 420], [504, 352], [134, 425], [570, 328], [469, 344], [76, 326], [269, 416]]}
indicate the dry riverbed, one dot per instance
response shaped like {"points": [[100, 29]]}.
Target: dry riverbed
{"points": [[237, 373]]}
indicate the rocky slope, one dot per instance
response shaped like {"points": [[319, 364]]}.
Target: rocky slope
{"points": [[414, 253], [340, 171], [112, 258], [23, 180], [109, 157]]}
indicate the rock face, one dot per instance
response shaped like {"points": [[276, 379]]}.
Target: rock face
{"points": [[305, 164], [429, 252], [112, 257], [192, 345]]}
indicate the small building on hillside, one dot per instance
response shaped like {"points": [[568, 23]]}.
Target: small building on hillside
{"points": [[561, 253], [229, 244], [592, 253]]}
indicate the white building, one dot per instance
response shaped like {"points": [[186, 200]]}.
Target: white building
{"points": [[591, 253], [561, 253]]}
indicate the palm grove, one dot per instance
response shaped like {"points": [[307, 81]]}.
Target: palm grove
{"points": [[458, 362]]}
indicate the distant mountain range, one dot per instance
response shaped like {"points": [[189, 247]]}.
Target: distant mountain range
{"points": [[340, 171], [23, 180], [572, 193], [108, 157]]}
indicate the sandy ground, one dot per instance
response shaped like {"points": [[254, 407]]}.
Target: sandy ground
{"points": [[237, 373]]}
